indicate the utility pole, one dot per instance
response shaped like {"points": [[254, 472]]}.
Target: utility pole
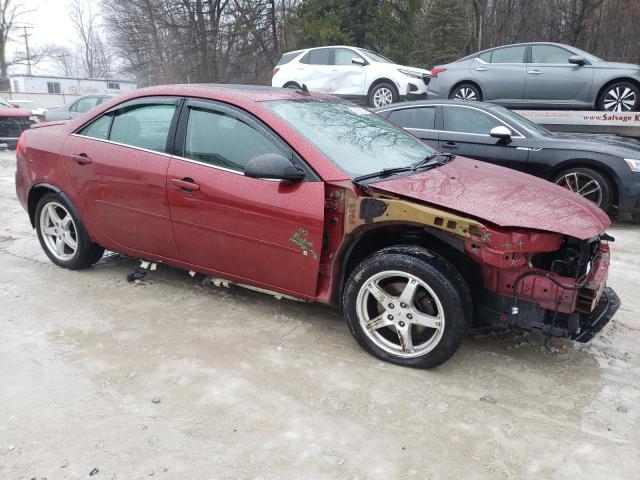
{"points": [[26, 44]]}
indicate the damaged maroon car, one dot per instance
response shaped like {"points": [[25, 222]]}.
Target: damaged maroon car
{"points": [[311, 197]]}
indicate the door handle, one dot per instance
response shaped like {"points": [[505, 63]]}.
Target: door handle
{"points": [[534, 72], [185, 184], [450, 145], [481, 69], [81, 158]]}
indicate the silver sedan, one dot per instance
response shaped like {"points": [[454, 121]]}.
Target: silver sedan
{"points": [[539, 75]]}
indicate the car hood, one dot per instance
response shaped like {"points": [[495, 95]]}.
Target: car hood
{"points": [[501, 196], [415, 70], [604, 143], [617, 65]]}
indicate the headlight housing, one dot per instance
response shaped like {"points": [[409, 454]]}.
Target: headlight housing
{"points": [[409, 73], [634, 164], [34, 118]]}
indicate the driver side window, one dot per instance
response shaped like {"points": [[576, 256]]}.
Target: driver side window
{"points": [[468, 120], [223, 141]]}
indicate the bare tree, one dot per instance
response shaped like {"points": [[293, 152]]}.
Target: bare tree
{"points": [[95, 57]]}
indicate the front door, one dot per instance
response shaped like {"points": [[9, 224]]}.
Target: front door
{"points": [[264, 232], [550, 76], [117, 165], [465, 132], [347, 78]]}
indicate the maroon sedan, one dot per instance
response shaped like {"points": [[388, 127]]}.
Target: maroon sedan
{"points": [[308, 196]]}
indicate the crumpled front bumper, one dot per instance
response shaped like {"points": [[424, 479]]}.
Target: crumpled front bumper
{"points": [[591, 324]]}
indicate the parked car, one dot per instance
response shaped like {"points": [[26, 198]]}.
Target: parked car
{"points": [[604, 169], [13, 121], [75, 107], [539, 75], [352, 73], [34, 107], [308, 196]]}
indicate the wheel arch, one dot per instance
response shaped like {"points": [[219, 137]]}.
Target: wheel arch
{"points": [[292, 83], [462, 82], [611, 82], [380, 80], [38, 191], [370, 239], [593, 165]]}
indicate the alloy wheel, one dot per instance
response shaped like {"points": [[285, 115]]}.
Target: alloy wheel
{"points": [[467, 94], [582, 184], [400, 313], [620, 99], [58, 231], [382, 97]]}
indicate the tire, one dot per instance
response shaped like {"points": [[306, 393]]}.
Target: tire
{"points": [[466, 92], [62, 234], [583, 180], [619, 97], [435, 317], [382, 94]]}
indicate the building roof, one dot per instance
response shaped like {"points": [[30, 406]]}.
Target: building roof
{"points": [[72, 78]]}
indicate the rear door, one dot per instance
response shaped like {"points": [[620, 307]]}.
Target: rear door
{"points": [[465, 131], [260, 231], [314, 69], [117, 165], [418, 120], [550, 76], [347, 78], [501, 74]]}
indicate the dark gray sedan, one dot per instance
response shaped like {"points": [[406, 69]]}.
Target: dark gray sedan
{"points": [[75, 107], [539, 75], [602, 168]]}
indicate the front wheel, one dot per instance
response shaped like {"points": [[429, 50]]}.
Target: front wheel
{"points": [[382, 95], [620, 97], [588, 183], [408, 306], [62, 234]]}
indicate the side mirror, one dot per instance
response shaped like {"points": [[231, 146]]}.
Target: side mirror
{"points": [[359, 61], [273, 166], [577, 60], [501, 132]]}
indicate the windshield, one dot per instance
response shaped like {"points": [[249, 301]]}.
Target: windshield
{"points": [[520, 121], [355, 139], [374, 56]]}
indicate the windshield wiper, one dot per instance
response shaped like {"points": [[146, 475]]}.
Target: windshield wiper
{"points": [[425, 162]]}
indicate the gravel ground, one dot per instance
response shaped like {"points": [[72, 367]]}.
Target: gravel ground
{"points": [[175, 380]]}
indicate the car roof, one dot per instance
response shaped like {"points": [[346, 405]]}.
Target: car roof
{"points": [[239, 93], [432, 103]]}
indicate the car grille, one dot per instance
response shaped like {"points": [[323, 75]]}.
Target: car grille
{"points": [[12, 127]]}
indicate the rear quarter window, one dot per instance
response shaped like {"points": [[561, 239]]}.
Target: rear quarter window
{"points": [[287, 57]]}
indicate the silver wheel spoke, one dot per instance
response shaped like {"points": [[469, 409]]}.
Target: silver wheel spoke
{"points": [[60, 246], [378, 294], [626, 93], [409, 291], [593, 190], [51, 231], [379, 322], [425, 320], [406, 341]]}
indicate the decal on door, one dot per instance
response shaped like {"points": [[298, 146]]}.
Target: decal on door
{"points": [[300, 238]]}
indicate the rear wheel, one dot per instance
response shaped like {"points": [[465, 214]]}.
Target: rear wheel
{"points": [[467, 92], [382, 95], [620, 97], [588, 183], [62, 234], [407, 306]]}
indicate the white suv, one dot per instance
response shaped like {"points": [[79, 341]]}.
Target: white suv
{"points": [[352, 73]]}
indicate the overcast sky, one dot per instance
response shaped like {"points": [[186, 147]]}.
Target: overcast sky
{"points": [[51, 25]]}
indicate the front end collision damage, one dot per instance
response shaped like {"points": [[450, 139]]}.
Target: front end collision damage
{"points": [[529, 279]]}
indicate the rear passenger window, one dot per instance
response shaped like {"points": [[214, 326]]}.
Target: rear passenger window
{"points": [[468, 120], [145, 126], [84, 104], [287, 57], [98, 129], [508, 55], [424, 118], [319, 56], [223, 141]]}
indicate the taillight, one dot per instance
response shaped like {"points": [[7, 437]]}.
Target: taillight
{"points": [[20, 145], [436, 71], [275, 70]]}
